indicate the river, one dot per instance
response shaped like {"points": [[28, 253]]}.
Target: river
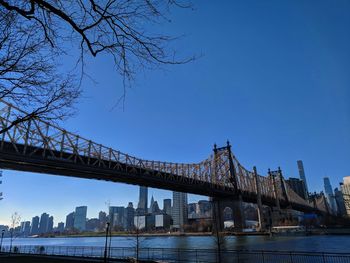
{"points": [[319, 243]]}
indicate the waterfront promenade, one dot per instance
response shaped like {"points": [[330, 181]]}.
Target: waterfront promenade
{"points": [[248, 249]]}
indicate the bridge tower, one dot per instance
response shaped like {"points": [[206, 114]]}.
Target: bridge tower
{"points": [[235, 202], [262, 226]]}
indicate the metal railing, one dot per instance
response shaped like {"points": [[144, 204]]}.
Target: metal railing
{"points": [[185, 255]]}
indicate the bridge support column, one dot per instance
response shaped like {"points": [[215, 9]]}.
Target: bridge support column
{"points": [[238, 214], [277, 211], [274, 183], [259, 202], [217, 216], [218, 207]]}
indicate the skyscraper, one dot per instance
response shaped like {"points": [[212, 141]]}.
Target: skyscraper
{"points": [[167, 206], [204, 208], [339, 198], [102, 216], [153, 208], [70, 221], [303, 177], [34, 230], [143, 198], [330, 195], [50, 224], [130, 212], [44, 223], [179, 210], [116, 217], [151, 205], [80, 218], [25, 228], [345, 188], [192, 208], [60, 227]]}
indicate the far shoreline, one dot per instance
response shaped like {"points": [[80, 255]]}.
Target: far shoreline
{"points": [[204, 234], [174, 234]]}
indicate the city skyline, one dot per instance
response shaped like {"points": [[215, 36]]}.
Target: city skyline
{"points": [[297, 104], [141, 191], [151, 218], [78, 220], [327, 191]]}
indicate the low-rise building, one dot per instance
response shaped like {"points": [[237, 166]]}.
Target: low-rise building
{"points": [[162, 221]]}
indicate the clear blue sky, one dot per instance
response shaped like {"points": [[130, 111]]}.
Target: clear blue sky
{"points": [[274, 79]]}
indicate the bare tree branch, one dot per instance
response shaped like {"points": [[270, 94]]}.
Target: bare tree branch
{"points": [[34, 34]]}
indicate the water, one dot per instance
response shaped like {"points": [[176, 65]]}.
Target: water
{"points": [[327, 243]]}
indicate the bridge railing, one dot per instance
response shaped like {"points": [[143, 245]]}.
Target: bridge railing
{"points": [[185, 255]]}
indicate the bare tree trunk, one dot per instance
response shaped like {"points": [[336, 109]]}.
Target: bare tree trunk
{"points": [[216, 227], [137, 244], [105, 252]]}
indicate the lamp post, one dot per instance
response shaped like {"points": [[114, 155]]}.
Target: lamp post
{"points": [[105, 254], [2, 236]]}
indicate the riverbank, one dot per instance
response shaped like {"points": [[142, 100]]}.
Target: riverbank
{"points": [[103, 234], [321, 231], [173, 234], [329, 231]]}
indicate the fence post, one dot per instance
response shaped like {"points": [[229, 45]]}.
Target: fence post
{"points": [[237, 252], [291, 256], [263, 257], [324, 258], [196, 255], [178, 254]]}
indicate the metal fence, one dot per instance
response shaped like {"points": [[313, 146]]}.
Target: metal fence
{"points": [[185, 255]]}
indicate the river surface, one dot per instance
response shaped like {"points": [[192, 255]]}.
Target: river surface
{"points": [[326, 243]]}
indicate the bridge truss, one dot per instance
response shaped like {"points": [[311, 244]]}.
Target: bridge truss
{"points": [[39, 146]]}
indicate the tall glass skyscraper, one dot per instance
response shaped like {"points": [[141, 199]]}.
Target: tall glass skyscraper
{"points": [[50, 224], [329, 194], [116, 216], [303, 177], [34, 230], [143, 198], [167, 206], [130, 212], [80, 218], [44, 223], [70, 221], [179, 210]]}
